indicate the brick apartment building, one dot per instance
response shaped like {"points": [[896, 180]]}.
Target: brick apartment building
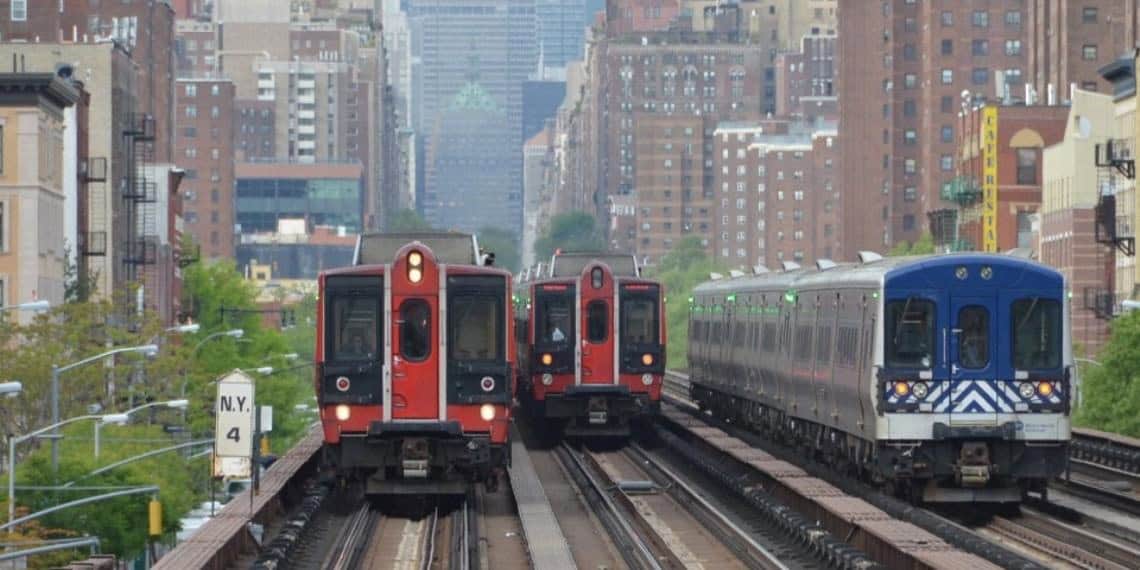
{"points": [[913, 60], [805, 80], [205, 151], [777, 196]]}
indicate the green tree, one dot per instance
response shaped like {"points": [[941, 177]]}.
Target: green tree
{"points": [[503, 244], [572, 231], [407, 220], [680, 271], [923, 246], [1111, 392]]}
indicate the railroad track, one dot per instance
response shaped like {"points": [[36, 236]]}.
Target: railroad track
{"points": [[1067, 543], [352, 539]]}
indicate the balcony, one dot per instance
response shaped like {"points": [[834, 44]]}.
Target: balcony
{"points": [[961, 190], [141, 127]]}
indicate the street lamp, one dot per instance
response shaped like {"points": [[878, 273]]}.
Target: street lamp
{"points": [[289, 356], [232, 333], [13, 441], [41, 305], [185, 329], [124, 417], [11, 388], [264, 370], [56, 371]]}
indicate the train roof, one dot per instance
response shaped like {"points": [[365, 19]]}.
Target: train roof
{"points": [[571, 264], [449, 247], [872, 272]]}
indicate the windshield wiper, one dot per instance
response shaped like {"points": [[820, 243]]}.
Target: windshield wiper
{"points": [[1028, 314], [902, 317]]}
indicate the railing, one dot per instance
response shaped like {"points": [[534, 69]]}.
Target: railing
{"points": [[962, 190]]}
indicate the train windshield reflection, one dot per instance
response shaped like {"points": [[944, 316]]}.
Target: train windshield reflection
{"points": [[910, 334], [1036, 334], [475, 324]]}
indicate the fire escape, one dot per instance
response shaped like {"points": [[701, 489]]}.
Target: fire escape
{"points": [[1114, 160], [140, 197], [947, 224]]}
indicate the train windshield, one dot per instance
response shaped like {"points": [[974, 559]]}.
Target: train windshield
{"points": [[476, 323], [1036, 334], [354, 329], [554, 319], [910, 334], [639, 317]]}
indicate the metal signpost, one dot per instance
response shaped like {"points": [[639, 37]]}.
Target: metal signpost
{"points": [[234, 427]]}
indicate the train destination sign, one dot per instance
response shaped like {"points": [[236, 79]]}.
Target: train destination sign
{"points": [[233, 431]]}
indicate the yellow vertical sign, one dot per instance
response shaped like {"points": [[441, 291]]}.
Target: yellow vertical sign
{"points": [[989, 178]]}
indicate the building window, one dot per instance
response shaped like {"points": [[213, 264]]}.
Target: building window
{"points": [[909, 53], [1, 149], [910, 137], [1088, 15], [19, 10], [947, 76], [947, 47], [947, 133], [947, 104], [980, 75], [947, 19], [980, 47], [981, 19], [191, 111], [1088, 52], [908, 223], [947, 162], [191, 90], [1013, 19], [910, 80], [1013, 47], [1026, 166], [909, 166], [910, 193]]}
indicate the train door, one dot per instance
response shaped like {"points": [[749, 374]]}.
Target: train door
{"points": [[972, 357], [416, 354], [598, 324]]}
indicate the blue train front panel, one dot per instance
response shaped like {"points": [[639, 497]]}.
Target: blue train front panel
{"points": [[975, 365]]}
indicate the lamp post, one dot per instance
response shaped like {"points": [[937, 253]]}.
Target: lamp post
{"points": [[124, 417], [232, 333], [13, 441], [56, 371], [41, 305]]}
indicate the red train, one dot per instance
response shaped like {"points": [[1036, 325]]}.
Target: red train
{"points": [[415, 365], [591, 344]]}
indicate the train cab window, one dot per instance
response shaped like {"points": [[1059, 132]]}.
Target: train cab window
{"points": [[910, 338], [415, 329], [355, 327], [476, 327], [597, 320], [554, 319], [974, 342], [639, 320], [1036, 334]]}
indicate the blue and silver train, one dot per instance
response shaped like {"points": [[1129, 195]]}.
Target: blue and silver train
{"points": [[945, 378]]}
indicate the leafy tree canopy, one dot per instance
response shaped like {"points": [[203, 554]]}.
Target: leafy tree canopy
{"points": [[1111, 391], [572, 231], [924, 246]]}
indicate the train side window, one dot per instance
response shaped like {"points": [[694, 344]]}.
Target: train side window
{"points": [[823, 345], [974, 343], [355, 328], [803, 343], [1036, 339], [597, 321], [768, 338], [755, 336], [415, 330], [848, 341], [739, 336]]}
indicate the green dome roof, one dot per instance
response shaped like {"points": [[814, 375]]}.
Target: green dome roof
{"points": [[473, 97]]}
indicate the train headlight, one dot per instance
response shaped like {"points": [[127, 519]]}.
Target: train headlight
{"points": [[415, 275], [415, 267], [647, 359], [415, 259], [487, 383], [1026, 390], [343, 412], [547, 379], [647, 379], [920, 390], [1045, 389], [547, 359], [902, 389], [487, 412]]}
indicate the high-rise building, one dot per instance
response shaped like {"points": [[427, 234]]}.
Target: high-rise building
{"points": [[561, 34], [205, 151], [1069, 41], [805, 80], [456, 43]]}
